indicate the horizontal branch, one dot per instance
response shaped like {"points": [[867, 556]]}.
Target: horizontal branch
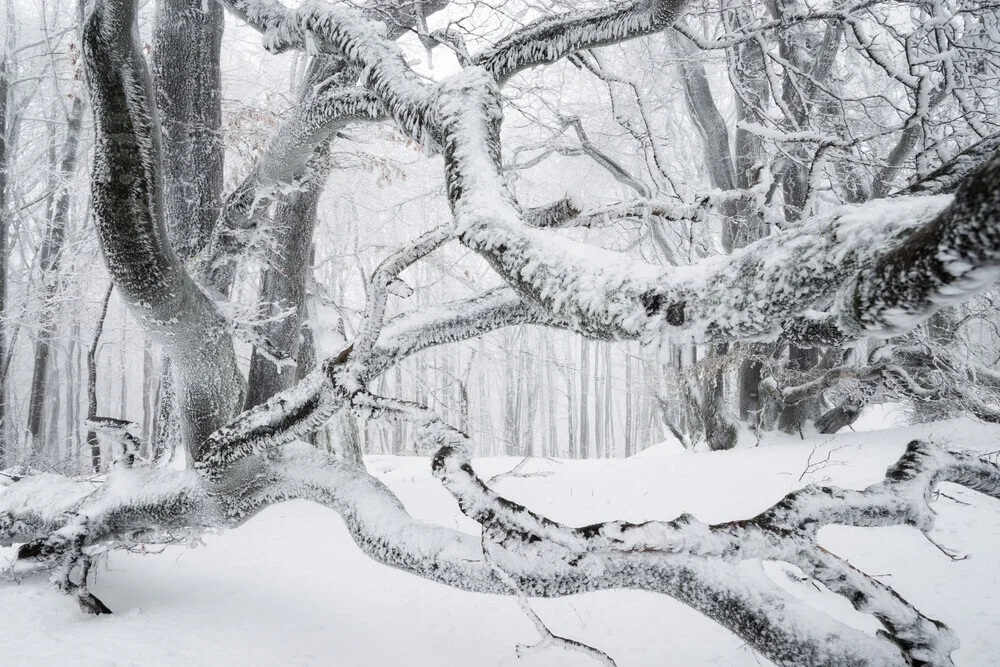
{"points": [[551, 38]]}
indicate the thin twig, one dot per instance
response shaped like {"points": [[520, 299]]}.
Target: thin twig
{"points": [[548, 639]]}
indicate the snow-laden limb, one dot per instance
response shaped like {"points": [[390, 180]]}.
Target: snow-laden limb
{"points": [[548, 638], [329, 102], [751, 294], [324, 109], [785, 532], [299, 411], [946, 261], [454, 321], [564, 214], [345, 31], [289, 415], [385, 275], [601, 293], [704, 566], [550, 38], [285, 165], [947, 177], [127, 190]]}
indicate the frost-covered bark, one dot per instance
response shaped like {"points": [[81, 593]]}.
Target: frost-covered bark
{"points": [[128, 200], [187, 40], [283, 292]]}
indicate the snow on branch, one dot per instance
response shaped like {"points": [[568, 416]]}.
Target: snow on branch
{"points": [[946, 178], [299, 411], [385, 275], [330, 100], [944, 262], [345, 31], [757, 293], [708, 567], [607, 295], [550, 38], [563, 213], [786, 532], [285, 165], [458, 320], [789, 18]]}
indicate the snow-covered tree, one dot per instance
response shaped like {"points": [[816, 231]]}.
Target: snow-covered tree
{"points": [[841, 273]]}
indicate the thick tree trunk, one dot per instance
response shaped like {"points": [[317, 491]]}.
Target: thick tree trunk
{"points": [[187, 42], [283, 292], [128, 200]]}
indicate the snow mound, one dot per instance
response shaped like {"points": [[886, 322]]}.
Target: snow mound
{"points": [[671, 447]]}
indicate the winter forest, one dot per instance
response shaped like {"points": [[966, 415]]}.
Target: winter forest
{"points": [[499, 332]]}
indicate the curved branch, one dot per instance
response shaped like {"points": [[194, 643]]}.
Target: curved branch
{"points": [[387, 273], [284, 165]]}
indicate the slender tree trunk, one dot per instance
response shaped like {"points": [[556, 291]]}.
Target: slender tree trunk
{"points": [[550, 416], [629, 401], [50, 258], [148, 395], [529, 411], [584, 449], [599, 414], [52, 442], [72, 386], [123, 374], [398, 432], [5, 162], [609, 406], [95, 446], [511, 414], [572, 451]]}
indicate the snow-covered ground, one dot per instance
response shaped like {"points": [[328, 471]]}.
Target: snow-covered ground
{"points": [[290, 588]]}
